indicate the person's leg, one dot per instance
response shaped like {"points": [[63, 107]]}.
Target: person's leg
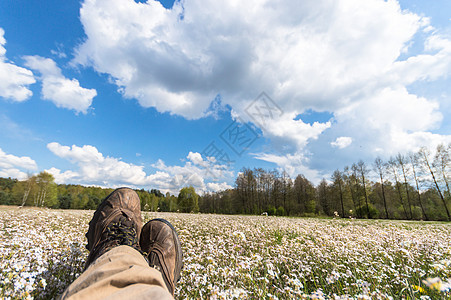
{"points": [[121, 273], [116, 267]]}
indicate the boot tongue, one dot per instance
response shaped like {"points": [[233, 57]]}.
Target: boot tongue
{"points": [[123, 231], [124, 219]]}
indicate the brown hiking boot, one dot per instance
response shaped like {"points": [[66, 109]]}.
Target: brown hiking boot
{"points": [[160, 242], [117, 221]]}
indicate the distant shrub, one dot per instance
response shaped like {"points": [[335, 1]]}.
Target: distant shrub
{"points": [[280, 211], [372, 213], [271, 211], [309, 215]]}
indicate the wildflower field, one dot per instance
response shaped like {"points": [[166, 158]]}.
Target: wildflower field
{"points": [[250, 257]]}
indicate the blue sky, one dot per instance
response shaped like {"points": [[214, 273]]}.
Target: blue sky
{"points": [[162, 95]]}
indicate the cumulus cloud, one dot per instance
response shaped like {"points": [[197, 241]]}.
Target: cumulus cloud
{"points": [[13, 173], [195, 157], [293, 134], [9, 160], [393, 109], [197, 172], [61, 91], [391, 121], [294, 52], [215, 187], [14, 80], [342, 142], [347, 57], [14, 166], [177, 60], [292, 164], [96, 169]]}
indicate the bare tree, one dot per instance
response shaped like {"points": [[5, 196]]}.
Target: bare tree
{"points": [[425, 156], [286, 186], [259, 187], [27, 189], [402, 162], [355, 182], [364, 171], [242, 187], [337, 177], [276, 189], [442, 163], [413, 162], [323, 200], [379, 167], [393, 166], [349, 182]]}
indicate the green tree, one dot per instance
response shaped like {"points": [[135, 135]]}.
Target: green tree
{"points": [[304, 195], [188, 200], [38, 190], [6, 186], [172, 200], [46, 192], [20, 192], [64, 201], [280, 211], [80, 201]]}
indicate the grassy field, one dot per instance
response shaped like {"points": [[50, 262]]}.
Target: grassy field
{"points": [[253, 257]]}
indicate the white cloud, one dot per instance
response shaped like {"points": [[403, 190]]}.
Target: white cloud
{"points": [[61, 91], [392, 120], [215, 187], [195, 157], [14, 166], [340, 56], [306, 55], [393, 108], [196, 172], [342, 142], [65, 177], [96, 169], [292, 164], [23, 162], [13, 173], [14, 80], [288, 131]]}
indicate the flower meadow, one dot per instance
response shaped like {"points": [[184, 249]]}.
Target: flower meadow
{"points": [[244, 257]]}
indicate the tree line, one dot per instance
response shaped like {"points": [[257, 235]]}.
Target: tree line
{"points": [[413, 187], [41, 191]]}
